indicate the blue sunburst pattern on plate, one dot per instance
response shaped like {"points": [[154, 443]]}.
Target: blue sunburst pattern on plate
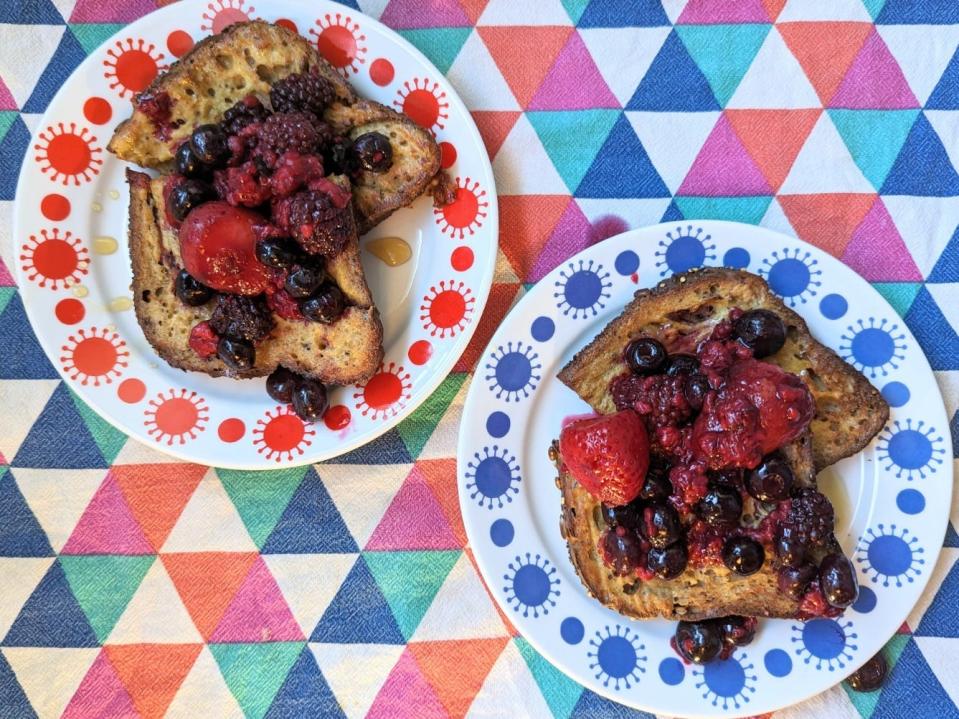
{"points": [[531, 585], [890, 556], [727, 682], [825, 643], [684, 248]]}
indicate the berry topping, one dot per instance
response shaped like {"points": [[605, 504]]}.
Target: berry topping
{"points": [[236, 354], [737, 631], [372, 152], [837, 580], [337, 157], [667, 563], [681, 364], [203, 340], [242, 186], [870, 676], [186, 195], [621, 551], [244, 113], [699, 642], [217, 244], [242, 317], [645, 356], [771, 481], [309, 399], [280, 383], [761, 331], [302, 91], [314, 219], [791, 546], [660, 526], [282, 304], [304, 280], [326, 305], [293, 171], [607, 455], [809, 521], [297, 131], [208, 143], [731, 477], [722, 505], [793, 581], [743, 555], [188, 164], [628, 516], [697, 385], [191, 292], [657, 484], [278, 252], [660, 399]]}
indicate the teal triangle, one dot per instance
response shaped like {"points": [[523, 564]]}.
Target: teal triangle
{"points": [[104, 585], [51, 616], [560, 692], [13, 700], [93, 35], [575, 8], [874, 7], [109, 439], [622, 168], [359, 613], [723, 53], [261, 496], [737, 209], [6, 294], [945, 96], [923, 167], [20, 533], [946, 268], [310, 523], [572, 139], [673, 82], [410, 581], [305, 692], [254, 673], [874, 138], [6, 120], [440, 44], [419, 427], [898, 294], [44, 446]]}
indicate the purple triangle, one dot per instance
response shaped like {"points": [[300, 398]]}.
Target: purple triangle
{"points": [[100, 694], [574, 82], [876, 250], [99, 11], [6, 99], [874, 81], [571, 234], [414, 520], [410, 14], [723, 168], [258, 612], [714, 12], [107, 526]]}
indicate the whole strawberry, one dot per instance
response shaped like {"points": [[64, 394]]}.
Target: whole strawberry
{"points": [[607, 455]]}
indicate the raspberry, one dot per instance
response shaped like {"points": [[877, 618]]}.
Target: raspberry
{"points": [[659, 398], [302, 91], [240, 317], [292, 171], [244, 113], [282, 304], [242, 186], [314, 220], [810, 518], [203, 340]]}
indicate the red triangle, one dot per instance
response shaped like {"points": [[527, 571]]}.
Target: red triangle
{"points": [[825, 50], [827, 221], [773, 8], [524, 57], [773, 138], [107, 526], [440, 475], [258, 612], [494, 127], [473, 8], [152, 673], [526, 224], [207, 582], [877, 251], [413, 521], [500, 299], [456, 669], [406, 694], [100, 694], [157, 494]]}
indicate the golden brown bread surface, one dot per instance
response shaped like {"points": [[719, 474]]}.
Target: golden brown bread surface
{"points": [[247, 58], [348, 351]]}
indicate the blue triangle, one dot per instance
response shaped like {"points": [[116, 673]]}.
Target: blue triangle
{"points": [[672, 213], [919, 12], [616, 13], [936, 336], [947, 266], [954, 431], [20, 533], [946, 94], [388, 448], [350, 3], [44, 446], [911, 683], [20, 354], [13, 147], [358, 613], [13, 700], [29, 12], [311, 523], [305, 692], [68, 55], [593, 706], [673, 82], [622, 168], [940, 619], [51, 617], [923, 167], [952, 539]]}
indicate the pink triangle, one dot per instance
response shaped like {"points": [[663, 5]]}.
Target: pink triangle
{"points": [[409, 14], [100, 695], [714, 12], [107, 526], [414, 520], [6, 279], [723, 168], [258, 612], [876, 250], [6, 99], [574, 82], [406, 694], [571, 234], [874, 80], [99, 11]]}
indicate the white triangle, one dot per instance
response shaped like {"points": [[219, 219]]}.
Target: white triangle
{"points": [[36, 42], [373, 8], [355, 690], [634, 212], [949, 387], [478, 80], [58, 498], [49, 676], [462, 608], [946, 125], [22, 400], [834, 703], [945, 296], [824, 164], [522, 166], [32, 121], [6, 238], [442, 443], [672, 140], [922, 51], [136, 452], [774, 81], [362, 493], [21, 575], [819, 10], [775, 219], [674, 8], [926, 225], [309, 582], [65, 7], [940, 655], [155, 614], [204, 692], [947, 558], [510, 12], [209, 522], [623, 54], [509, 684]]}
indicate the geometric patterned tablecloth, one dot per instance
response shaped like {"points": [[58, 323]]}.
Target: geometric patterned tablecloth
{"points": [[134, 585]]}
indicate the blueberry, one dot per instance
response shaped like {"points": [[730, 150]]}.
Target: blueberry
{"points": [[870, 676], [280, 383], [791, 547], [743, 555], [660, 525], [731, 477], [309, 399], [187, 195], [278, 252], [326, 305], [622, 551], [645, 356], [737, 631], [681, 364], [188, 164], [236, 354], [656, 485], [794, 581], [761, 331], [190, 291], [628, 516], [837, 580], [699, 642], [303, 281], [721, 506], [372, 151], [209, 144], [772, 480], [695, 390], [668, 563]]}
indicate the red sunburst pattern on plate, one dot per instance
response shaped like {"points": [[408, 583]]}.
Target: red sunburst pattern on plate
{"points": [[220, 14], [54, 260], [280, 434], [466, 213], [446, 308], [424, 102], [131, 65], [176, 416], [341, 41], [385, 393], [66, 152], [95, 356]]}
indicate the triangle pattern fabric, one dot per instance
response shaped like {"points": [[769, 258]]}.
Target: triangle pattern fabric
{"points": [[473, 660], [13, 700], [311, 523], [945, 96], [261, 496], [524, 58], [813, 10], [591, 704], [103, 586], [406, 694], [440, 475], [938, 619], [155, 613], [708, 12], [911, 671], [723, 53], [931, 12], [255, 672], [354, 690], [43, 446], [478, 80], [559, 691], [946, 268], [21, 576], [571, 234], [672, 140], [573, 82], [417, 431], [773, 138], [258, 612], [96, 12], [775, 80], [622, 168], [38, 41], [936, 336], [825, 50], [900, 295], [100, 694], [441, 45], [506, 12], [824, 164], [531, 219], [309, 582], [735, 209], [674, 82], [34, 666], [20, 533], [305, 692], [403, 14], [827, 220], [624, 55], [58, 498], [68, 55], [509, 683], [936, 651], [494, 127], [874, 138], [209, 522], [359, 613], [724, 168], [414, 520], [93, 35], [156, 494], [922, 52], [362, 493], [108, 438], [204, 693], [573, 139], [926, 225], [874, 80], [152, 673], [946, 125], [522, 166], [13, 149], [40, 12], [610, 13], [923, 167], [107, 526], [877, 238], [51, 617]]}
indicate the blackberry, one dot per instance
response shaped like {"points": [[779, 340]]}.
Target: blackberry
{"points": [[810, 518], [302, 91], [296, 131], [337, 155], [242, 317], [244, 113], [314, 221]]}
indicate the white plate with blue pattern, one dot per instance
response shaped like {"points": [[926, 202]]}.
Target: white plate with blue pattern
{"points": [[892, 499]]}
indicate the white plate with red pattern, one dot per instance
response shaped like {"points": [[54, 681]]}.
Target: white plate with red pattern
{"points": [[74, 270]]}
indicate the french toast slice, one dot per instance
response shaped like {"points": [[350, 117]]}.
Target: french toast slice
{"points": [[348, 351], [247, 58]]}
